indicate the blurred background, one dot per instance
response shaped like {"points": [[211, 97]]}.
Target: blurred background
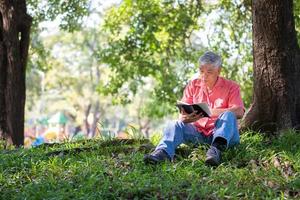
{"points": [[113, 68]]}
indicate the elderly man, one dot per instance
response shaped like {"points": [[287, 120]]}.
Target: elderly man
{"points": [[220, 130]]}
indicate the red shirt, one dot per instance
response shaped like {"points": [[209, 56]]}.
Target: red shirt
{"points": [[225, 94]]}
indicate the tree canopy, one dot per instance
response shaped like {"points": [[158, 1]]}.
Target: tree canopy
{"points": [[158, 43], [162, 40]]}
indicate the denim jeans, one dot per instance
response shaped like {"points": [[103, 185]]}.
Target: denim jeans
{"points": [[178, 132]]}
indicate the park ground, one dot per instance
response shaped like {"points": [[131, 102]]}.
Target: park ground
{"points": [[259, 168]]}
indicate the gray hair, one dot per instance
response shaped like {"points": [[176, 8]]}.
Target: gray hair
{"points": [[210, 58]]}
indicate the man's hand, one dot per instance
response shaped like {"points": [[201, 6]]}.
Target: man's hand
{"points": [[189, 118]]}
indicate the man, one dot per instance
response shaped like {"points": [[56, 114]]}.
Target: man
{"points": [[220, 130]]}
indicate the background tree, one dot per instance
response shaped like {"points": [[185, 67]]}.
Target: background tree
{"points": [[66, 77], [14, 42], [15, 26], [276, 102], [71, 84]]}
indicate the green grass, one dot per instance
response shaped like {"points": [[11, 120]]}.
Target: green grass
{"points": [[259, 168]]}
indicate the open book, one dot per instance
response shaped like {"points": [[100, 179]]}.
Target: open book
{"points": [[199, 107]]}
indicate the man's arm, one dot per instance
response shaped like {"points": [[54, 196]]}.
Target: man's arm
{"points": [[235, 103], [237, 110]]}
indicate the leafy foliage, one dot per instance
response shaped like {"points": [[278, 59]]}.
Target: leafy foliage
{"points": [[158, 39], [259, 168], [70, 13], [297, 18], [148, 39], [71, 81]]}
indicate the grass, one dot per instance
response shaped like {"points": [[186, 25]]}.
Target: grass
{"points": [[259, 168]]}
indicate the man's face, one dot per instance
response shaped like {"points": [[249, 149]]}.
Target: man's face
{"points": [[209, 74]]}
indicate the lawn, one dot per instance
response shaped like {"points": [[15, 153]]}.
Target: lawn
{"points": [[259, 168]]}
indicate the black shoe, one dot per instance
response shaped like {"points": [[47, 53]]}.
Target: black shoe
{"points": [[213, 156], [156, 157]]}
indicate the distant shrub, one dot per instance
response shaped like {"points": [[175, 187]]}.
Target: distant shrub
{"points": [[155, 138], [134, 133]]}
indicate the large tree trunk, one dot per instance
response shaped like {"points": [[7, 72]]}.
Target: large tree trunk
{"points": [[14, 42], [276, 102]]}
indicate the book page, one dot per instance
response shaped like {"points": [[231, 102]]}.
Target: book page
{"points": [[205, 107]]}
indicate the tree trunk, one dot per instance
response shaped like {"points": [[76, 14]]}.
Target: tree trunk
{"points": [[276, 102], [95, 119], [86, 123], [14, 42]]}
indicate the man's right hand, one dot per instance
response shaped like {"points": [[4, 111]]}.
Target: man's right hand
{"points": [[189, 118]]}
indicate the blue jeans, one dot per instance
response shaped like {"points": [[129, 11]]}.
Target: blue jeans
{"points": [[178, 132]]}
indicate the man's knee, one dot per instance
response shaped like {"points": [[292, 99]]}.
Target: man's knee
{"points": [[175, 124], [227, 118]]}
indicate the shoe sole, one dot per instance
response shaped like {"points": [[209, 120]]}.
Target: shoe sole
{"points": [[211, 161], [150, 160]]}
